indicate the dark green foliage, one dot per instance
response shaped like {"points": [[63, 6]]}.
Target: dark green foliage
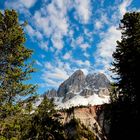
{"points": [[44, 124], [14, 70], [75, 130], [127, 56], [125, 109], [17, 119], [13, 67]]}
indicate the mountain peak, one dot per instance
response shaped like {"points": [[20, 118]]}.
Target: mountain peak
{"points": [[78, 72], [73, 84], [97, 80], [79, 89]]}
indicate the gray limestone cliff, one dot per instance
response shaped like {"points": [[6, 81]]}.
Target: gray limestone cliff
{"points": [[80, 84], [73, 84]]}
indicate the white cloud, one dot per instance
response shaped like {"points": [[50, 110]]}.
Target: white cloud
{"points": [[87, 63], [83, 10], [48, 65], [85, 71], [107, 45], [52, 20], [79, 42], [28, 3], [20, 4], [67, 56], [123, 6], [102, 21], [17, 5], [38, 63], [57, 40], [33, 33], [86, 54], [58, 74], [98, 25], [55, 73], [82, 64], [104, 18], [43, 45], [84, 46], [42, 56]]}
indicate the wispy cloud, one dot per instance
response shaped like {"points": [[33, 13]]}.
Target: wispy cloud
{"points": [[57, 71], [81, 63], [20, 3], [22, 6], [28, 3], [98, 24], [43, 45], [33, 33], [101, 21], [52, 21], [106, 47], [123, 6], [84, 46], [67, 55], [38, 63], [68, 32], [79, 42], [83, 10], [107, 44]]}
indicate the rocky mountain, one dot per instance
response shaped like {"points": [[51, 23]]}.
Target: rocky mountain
{"points": [[81, 89], [72, 85]]}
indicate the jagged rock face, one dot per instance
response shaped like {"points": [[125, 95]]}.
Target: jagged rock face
{"points": [[51, 93], [80, 87], [86, 85], [92, 117], [87, 92], [96, 81], [103, 92], [68, 96], [72, 85]]}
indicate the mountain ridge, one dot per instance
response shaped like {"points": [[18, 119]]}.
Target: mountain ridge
{"points": [[80, 89]]}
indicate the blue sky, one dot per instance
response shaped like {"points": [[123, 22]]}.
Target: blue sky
{"points": [[67, 35]]}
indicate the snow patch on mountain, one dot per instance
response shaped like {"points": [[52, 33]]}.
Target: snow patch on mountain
{"points": [[79, 100]]}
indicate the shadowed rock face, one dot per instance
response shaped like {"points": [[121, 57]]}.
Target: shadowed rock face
{"points": [[91, 116], [86, 92], [51, 93], [96, 81], [72, 85]]}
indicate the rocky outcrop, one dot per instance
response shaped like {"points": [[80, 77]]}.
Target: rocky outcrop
{"points": [[87, 92], [92, 117], [97, 80], [51, 93], [68, 96], [103, 92]]}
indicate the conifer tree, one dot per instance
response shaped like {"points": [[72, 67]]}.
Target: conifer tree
{"points": [[44, 123], [14, 71], [127, 56], [124, 120]]}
